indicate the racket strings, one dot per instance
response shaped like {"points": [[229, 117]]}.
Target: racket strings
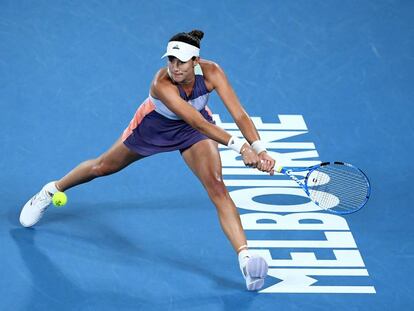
{"points": [[338, 187], [355, 191], [335, 195], [341, 173]]}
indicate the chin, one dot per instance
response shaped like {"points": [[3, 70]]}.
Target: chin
{"points": [[179, 80]]}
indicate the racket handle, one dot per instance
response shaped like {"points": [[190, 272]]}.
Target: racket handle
{"points": [[280, 169]]}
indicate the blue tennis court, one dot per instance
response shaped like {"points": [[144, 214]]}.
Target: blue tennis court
{"points": [[322, 81]]}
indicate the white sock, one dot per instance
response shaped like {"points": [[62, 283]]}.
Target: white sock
{"points": [[51, 188], [244, 256]]}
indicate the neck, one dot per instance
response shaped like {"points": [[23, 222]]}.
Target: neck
{"points": [[188, 82]]}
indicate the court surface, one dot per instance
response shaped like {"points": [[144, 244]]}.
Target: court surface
{"points": [[330, 80]]}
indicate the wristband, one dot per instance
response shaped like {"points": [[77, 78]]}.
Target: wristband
{"points": [[235, 144], [258, 146]]}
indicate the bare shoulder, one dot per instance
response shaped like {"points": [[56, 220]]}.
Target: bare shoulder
{"points": [[161, 81], [212, 72], [160, 78], [209, 67]]}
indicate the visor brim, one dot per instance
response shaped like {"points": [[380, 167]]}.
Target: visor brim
{"points": [[180, 56]]}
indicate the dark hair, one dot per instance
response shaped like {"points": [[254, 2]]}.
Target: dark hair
{"points": [[193, 37]]}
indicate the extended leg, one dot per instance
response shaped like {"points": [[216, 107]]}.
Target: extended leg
{"points": [[112, 161], [115, 159], [203, 159]]}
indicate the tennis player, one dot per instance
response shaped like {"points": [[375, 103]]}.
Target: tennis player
{"points": [[175, 116]]}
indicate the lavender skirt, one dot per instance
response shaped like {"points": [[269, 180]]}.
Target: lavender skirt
{"points": [[156, 133]]}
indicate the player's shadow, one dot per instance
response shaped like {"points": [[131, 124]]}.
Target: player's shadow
{"points": [[126, 251], [51, 289], [91, 232], [122, 244]]}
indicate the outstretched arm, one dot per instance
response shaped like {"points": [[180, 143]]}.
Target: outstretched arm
{"points": [[221, 84]]}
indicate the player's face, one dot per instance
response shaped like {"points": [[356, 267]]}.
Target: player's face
{"points": [[182, 72]]}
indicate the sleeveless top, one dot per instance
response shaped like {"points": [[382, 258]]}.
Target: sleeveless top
{"points": [[198, 97]]}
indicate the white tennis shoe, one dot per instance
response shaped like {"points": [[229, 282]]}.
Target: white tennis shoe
{"points": [[33, 210], [255, 272]]}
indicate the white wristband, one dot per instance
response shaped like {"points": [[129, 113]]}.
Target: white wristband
{"points": [[235, 144], [258, 146]]}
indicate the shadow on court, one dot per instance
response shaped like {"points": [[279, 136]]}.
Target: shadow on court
{"points": [[102, 245]]}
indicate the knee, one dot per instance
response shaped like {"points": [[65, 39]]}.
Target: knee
{"points": [[215, 187], [101, 167]]}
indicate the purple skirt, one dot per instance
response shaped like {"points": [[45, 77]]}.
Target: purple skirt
{"points": [[155, 133]]}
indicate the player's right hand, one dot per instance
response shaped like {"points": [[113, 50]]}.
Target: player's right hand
{"points": [[266, 163]]}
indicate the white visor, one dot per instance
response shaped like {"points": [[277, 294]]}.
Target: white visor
{"points": [[183, 51]]}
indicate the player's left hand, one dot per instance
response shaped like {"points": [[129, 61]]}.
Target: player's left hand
{"points": [[266, 163]]}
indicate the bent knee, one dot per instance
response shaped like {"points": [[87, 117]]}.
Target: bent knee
{"points": [[215, 186]]}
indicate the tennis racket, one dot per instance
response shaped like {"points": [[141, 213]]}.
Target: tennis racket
{"points": [[337, 187]]}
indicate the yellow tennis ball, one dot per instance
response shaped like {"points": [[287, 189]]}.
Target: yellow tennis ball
{"points": [[59, 199]]}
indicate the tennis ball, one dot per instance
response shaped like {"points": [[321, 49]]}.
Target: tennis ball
{"points": [[59, 199]]}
